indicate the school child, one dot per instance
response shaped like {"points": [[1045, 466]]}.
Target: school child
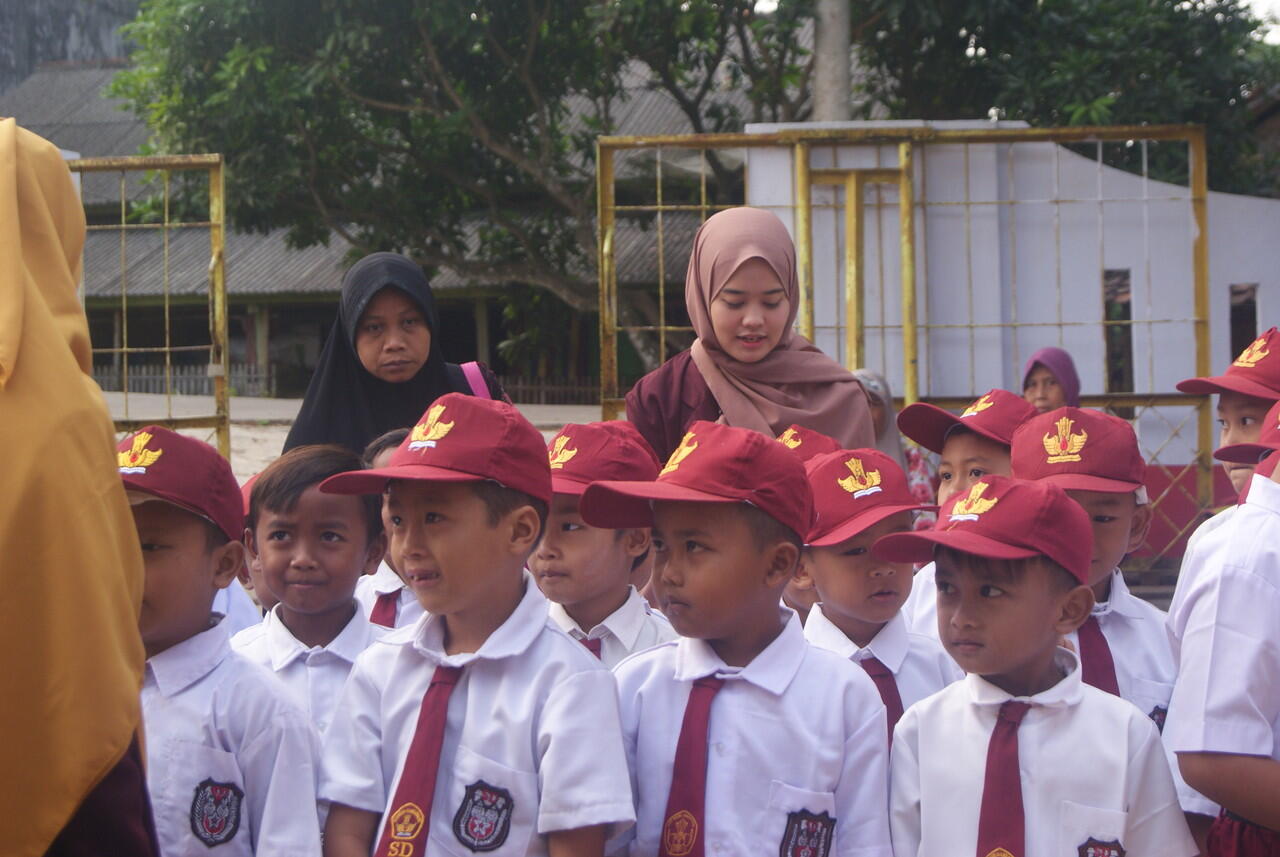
{"points": [[384, 597], [806, 444], [1094, 457], [1224, 718], [860, 495], [231, 761], [743, 738], [483, 727], [972, 445], [748, 367], [312, 548], [585, 571], [1022, 757], [250, 576], [1049, 380]]}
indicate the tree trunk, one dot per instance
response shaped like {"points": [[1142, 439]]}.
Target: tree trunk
{"points": [[831, 86]]}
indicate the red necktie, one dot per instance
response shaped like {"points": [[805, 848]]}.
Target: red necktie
{"points": [[888, 688], [683, 829], [407, 823], [1096, 665], [592, 644], [384, 609], [1001, 824]]}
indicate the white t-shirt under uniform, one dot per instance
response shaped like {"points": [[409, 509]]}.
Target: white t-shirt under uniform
{"points": [[633, 627], [533, 718], [370, 586], [1093, 773], [794, 737], [231, 761], [314, 676]]}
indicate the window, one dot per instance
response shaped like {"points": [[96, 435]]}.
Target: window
{"points": [[1244, 317]]}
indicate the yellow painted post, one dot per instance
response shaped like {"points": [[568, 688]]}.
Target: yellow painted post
{"points": [[1200, 262], [218, 356], [610, 398], [907, 239], [855, 344], [804, 238]]}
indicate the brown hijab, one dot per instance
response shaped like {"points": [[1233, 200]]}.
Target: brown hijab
{"points": [[793, 384]]}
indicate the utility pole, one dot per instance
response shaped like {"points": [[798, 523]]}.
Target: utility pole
{"points": [[833, 27]]}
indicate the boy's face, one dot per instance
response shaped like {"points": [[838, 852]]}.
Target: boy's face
{"points": [[710, 572], [1042, 391], [966, 458], [1002, 619], [1119, 527], [1240, 421], [854, 587], [575, 562], [312, 556], [445, 548], [182, 573]]}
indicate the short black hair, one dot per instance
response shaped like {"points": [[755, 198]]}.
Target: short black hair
{"points": [[380, 444], [1013, 569], [767, 530], [284, 480], [500, 500]]}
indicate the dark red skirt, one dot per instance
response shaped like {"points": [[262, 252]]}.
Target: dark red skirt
{"points": [[1233, 836], [115, 817]]}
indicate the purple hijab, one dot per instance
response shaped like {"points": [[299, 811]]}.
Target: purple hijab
{"points": [[1063, 368]]}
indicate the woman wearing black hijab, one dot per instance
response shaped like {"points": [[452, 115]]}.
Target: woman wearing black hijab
{"points": [[381, 367]]}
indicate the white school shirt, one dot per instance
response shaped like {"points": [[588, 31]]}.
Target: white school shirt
{"points": [[370, 586], [633, 627], [1093, 772], [313, 676], [795, 734], [1227, 641], [534, 717], [227, 753], [921, 607], [920, 666]]}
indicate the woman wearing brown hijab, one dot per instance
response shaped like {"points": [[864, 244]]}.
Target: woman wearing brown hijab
{"points": [[748, 367]]}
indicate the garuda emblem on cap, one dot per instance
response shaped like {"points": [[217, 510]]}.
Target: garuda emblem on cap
{"points": [[790, 439], [981, 404], [426, 433], [1250, 357], [560, 455], [1064, 446], [687, 445], [973, 506], [138, 458], [860, 482]]}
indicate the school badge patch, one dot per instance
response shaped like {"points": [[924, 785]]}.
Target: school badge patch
{"points": [[215, 812], [807, 835], [1158, 715], [484, 819], [680, 833], [1096, 848]]}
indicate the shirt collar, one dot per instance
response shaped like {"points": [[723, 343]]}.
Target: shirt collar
{"points": [[625, 623], [178, 667], [771, 670], [889, 646], [1264, 494], [1120, 601], [284, 648], [512, 637], [1065, 693], [386, 580]]}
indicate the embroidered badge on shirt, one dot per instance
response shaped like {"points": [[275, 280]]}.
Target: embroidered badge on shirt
{"points": [[1251, 356], [980, 404], [860, 482], [807, 835], [138, 458], [974, 505], [426, 433], [1097, 848], [1064, 446], [790, 439], [215, 812], [1158, 715], [687, 445], [484, 819], [559, 455], [999, 852], [407, 820], [680, 833]]}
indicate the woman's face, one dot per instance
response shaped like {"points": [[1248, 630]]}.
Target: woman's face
{"points": [[392, 337], [1043, 391], [749, 314]]}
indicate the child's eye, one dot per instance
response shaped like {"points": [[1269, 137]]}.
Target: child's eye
{"points": [[277, 536], [989, 591], [150, 547], [855, 551], [945, 588], [1103, 519], [945, 477], [977, 473], [394, 519], [433, 517], [659, 546], [570, 527], [690, 546], [331, 536], [1247, 421]]}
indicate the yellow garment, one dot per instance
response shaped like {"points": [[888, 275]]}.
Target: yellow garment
{"points": [[71, 659]]}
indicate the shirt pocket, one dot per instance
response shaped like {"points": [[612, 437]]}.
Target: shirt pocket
{"points": [[490, 808], [1090, 831], [208, 799], [1152, 698], [800, 820]]}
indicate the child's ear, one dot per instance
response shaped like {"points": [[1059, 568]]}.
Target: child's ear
{"points": [[783, 558], [636, 541], [802, 579], [228, 562], [1074, 609], [374, 552], [250, 544], [523, 528], [1139, 527]]}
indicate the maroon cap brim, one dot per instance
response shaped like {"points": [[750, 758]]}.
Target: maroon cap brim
{"points": [[565, 485], [928, 425], [1244, 453], [613, 504], [850, 527], [919, 546], [1085, 482], [1227, 384], [375, 481]]}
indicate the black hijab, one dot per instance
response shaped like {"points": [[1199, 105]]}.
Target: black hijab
{"points": [[346, 404]]}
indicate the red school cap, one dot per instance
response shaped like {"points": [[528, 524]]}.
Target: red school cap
{"points": [[186, 472], [1256, 372], [613, 450], [1003, 518], [713, 464], [246, 493], [461, 438], [994, 415], [853, 490], [1252, 453], [807, 443], [1081, 449]]}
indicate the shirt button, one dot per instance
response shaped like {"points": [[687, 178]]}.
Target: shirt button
{"points": [[720, 748]]}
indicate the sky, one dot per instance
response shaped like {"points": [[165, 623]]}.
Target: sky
{"points": [[1264, 8]]}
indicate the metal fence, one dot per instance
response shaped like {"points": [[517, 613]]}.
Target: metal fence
{"points": [[246, 379]]}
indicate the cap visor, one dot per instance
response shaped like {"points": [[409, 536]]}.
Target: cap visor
{"points": [[1244, 453], [565, 485], [137, 495], [928, 426], [1227, 384], [1085, 482], [850, 527], [375, 481], [614, 504], [919, 547]]}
